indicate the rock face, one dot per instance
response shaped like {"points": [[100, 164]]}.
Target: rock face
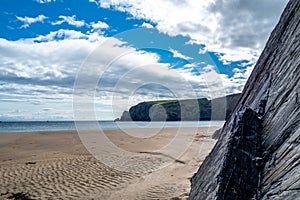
{"points": [[257, 154], [182, 110]]}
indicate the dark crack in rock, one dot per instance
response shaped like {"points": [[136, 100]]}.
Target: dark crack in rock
{"points": [[239, 174]]}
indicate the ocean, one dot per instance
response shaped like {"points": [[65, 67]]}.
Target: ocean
{"points": [[32, 126]]}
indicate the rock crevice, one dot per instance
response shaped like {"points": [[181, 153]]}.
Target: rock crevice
{"points": [[239, 175]]}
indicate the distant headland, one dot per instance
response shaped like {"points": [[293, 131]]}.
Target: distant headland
{"points": [[182, 110]]}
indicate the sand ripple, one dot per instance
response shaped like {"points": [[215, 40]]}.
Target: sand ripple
{"points": [[164, 191], [75, 177]]}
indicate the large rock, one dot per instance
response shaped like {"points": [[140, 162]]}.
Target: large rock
{"points": [[273, 92]]}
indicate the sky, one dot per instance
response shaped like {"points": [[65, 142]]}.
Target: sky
{"points": [[93, 59]]}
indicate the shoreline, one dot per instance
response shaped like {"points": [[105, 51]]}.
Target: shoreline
{"points": [[38, 126], [108, 130]]}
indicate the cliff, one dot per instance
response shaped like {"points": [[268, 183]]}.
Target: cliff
{"points": [[182, 110], [257, 153]]}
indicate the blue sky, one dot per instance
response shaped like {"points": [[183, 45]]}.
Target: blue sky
{"points": [[91, 59]]}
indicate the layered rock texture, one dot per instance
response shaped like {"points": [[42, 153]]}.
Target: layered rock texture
{"points": [[182, 110], [257, 155]]}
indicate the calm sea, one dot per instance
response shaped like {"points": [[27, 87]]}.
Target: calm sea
{"points": [[31, 126]]}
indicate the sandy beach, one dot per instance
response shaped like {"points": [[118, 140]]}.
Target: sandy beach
{"points": [[56, 165]]}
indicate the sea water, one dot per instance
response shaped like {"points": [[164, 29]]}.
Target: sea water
{"points": [[32, 126]]}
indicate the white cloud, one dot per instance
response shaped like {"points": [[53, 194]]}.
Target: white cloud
{"points": [[31, 20], [224, 26], [42, 70], [202, 51], [66, 34], [71, 20], [48, 65], [41, 75], [99, 25], [45, 1], [221, 84], [93, 1], [147, 25], [177, 54]]}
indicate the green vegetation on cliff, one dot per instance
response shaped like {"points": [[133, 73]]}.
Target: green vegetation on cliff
{"points": [[182, 110]]}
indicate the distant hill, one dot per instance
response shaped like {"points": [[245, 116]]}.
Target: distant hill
{"points": [[182, 110]]}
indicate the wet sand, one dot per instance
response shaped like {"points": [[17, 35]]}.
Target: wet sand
{"points": [[56, 165]]}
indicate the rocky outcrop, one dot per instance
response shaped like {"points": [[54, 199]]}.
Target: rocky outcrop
{"points": [[182, 110], [257, 157]]}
